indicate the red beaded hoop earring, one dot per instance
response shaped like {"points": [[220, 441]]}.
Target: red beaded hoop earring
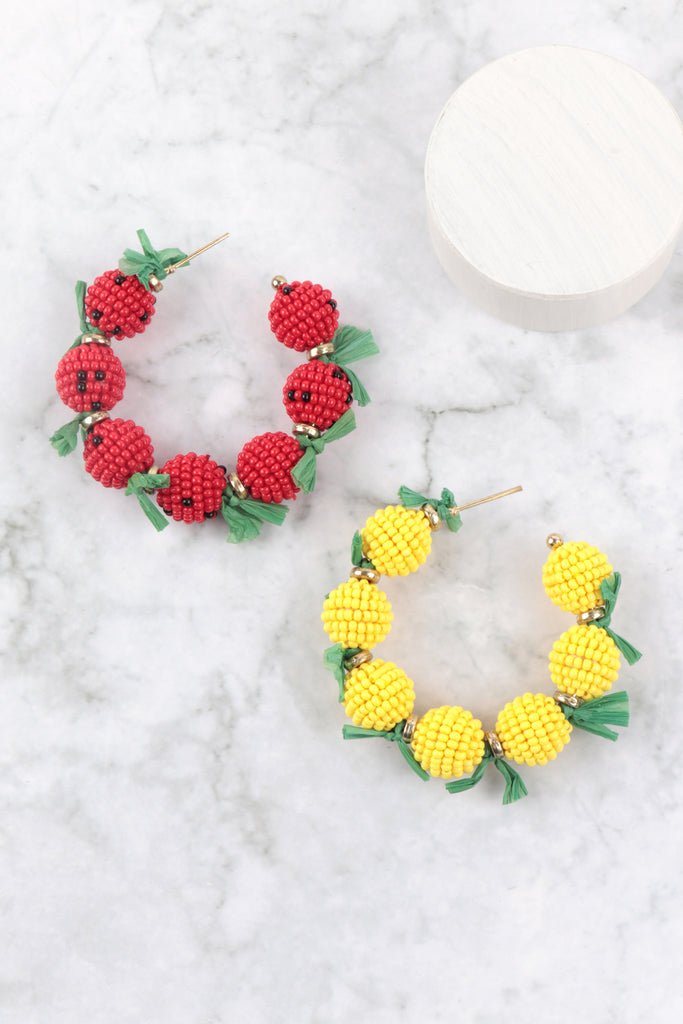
{"points": [[190, 488]]}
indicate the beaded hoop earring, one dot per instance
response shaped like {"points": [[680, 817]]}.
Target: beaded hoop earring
{"points": [[190, 488], [448, 742]]}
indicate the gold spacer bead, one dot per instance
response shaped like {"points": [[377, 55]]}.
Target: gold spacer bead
{"points": [[570, 699], [326, 349], [409, 728], [237, 486], [495, 744], [592, 615], [95, 339], [358, 659], [93, 418], [305, 430], [435, 520], [154, 283], [277, 282], [553, 540], [360, 573]]}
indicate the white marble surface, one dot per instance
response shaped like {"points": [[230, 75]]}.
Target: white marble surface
{"points": [[185, 837]]}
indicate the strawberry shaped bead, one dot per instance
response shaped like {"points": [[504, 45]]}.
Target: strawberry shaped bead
{"points": [[119, 305], [265, 466], [303, 315], [90, 378], [195, 490], [116, 449], [317, 393]]}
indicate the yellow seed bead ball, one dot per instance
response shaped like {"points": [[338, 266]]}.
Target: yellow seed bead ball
{"points": [[448, 742], [397, 540], [357, 614], [532, 729], [378, 695], [584, 662], [572, 575]]}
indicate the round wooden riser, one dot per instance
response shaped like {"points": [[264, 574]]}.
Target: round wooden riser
{"points": [[554, 184]]}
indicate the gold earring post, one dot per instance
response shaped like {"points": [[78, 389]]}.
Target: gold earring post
{"points": [[174, 266], [482, 501]]}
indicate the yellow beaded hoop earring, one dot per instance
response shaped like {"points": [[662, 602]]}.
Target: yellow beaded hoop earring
{"points": [[449, 742]]}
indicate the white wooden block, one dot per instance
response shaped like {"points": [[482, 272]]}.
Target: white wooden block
{"points": [[554, 184]]}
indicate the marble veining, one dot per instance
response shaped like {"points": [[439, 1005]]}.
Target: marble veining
{"points": [[185, 838]]}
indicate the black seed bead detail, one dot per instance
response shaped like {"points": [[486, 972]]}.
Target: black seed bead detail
{"points": [[224, 468], [305, 396], [349, 397], [81, 387], [187, 502], [286, 289], [117, 330], [119, 279], [210, 515], [97, 440], [166, 510], [82, 375], [96, 314], [95, 406], [144, 318], [99, 374], [291, 395], [331, 302], [338, 374]]}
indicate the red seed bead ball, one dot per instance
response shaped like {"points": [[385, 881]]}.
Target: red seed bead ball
{"points": [[116, 449], [90, 378], [196, 488], [317, 393], [119, 305], [303, 315], [265, 466]]}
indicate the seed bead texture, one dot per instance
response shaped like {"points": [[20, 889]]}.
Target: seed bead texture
{"points": [[448, 742], [195, 489], [378, 695], [572, 575], [90, 378], [265, 466], [357, 614], [397, 540], [116, 449], [303, 315], [532, 729], [119, 305], [584, 662], [317, 393]]}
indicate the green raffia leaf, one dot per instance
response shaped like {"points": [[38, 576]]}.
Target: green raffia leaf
{"points": [[358, 389], [245, 516], [514, 784], [357, 548], [351, 344], [150, 261], [595, 715], [462, 785], [334, 658], [86, 328], [303, 474], [65, 439], [356, 732], [609, 588], [139, 484], [442, 505]]}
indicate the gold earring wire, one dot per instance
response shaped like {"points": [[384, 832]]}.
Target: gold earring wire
{"points": [[481, 501], [174, 266]]}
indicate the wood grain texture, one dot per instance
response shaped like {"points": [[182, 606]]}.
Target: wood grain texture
{"points": [[554, 184]]}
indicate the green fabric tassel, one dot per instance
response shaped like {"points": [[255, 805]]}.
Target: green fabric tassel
{"points": [[411, 499], [65, 439], [350, 345], [149, 261], [86, 328], [514, 784], [355, 732], [334, 658], [303, 473], [595, 715], [138, 485], [245, 516], [609, 589]]}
